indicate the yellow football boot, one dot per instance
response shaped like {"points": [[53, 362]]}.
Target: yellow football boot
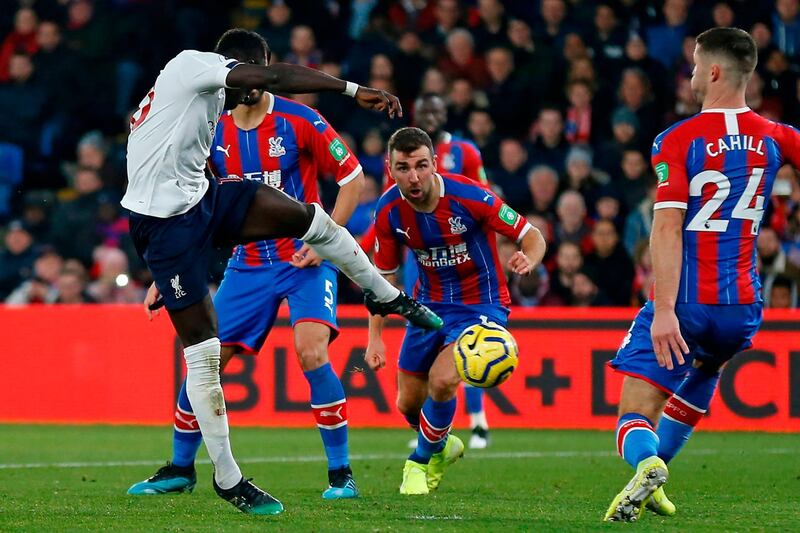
{"points": [[628, 505], [414, 478]]}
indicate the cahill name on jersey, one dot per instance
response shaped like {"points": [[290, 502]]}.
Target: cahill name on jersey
{"points": [[454, 246], [291, 148], [720, 166]]}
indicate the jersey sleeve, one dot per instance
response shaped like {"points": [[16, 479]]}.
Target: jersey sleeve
{"points": [[331, 153], [473, 164], [204, 71], [498, 216], [387, 249], [669, 164], [788, 138]]}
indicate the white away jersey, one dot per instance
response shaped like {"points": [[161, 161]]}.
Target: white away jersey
{"points": [[171, 135]]}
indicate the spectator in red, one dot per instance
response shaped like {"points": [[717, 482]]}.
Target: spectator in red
{"points": [[460, 104], [578, 128], [22, 39], [461, 60]]}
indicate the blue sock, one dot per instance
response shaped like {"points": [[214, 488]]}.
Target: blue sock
{"points": [[330, 410], [684, 410], [186, 436], [434, 425], [474, 397], [636, 439]]}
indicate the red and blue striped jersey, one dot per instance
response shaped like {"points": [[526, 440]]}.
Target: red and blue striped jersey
{"points": [[291, 148], [720, 166], [459, 156], [454, 156], [454, 245]]}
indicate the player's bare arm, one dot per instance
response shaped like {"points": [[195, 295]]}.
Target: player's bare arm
{"points": [[666, 244], [533, 248], [150, 300], [375, 356], [346, 203], [286, 78]]}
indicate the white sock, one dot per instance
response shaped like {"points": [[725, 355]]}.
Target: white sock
{"points": [[334, 243], [478, 420], [205, 394]]}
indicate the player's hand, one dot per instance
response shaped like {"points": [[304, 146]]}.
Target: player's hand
{"points": [[370, 98], [305, 257], [520, 264], [667, 339], [375, 356], [150, 302]]}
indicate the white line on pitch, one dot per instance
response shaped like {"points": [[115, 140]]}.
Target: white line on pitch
{"points": [[376, 456]]}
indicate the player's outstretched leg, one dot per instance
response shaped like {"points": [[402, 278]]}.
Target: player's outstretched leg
{"points": [[179, 474], [637, 443], [274, 214], [477, 418]]}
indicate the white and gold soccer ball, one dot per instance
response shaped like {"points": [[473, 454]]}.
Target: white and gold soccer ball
{"points": [[485, 354]]}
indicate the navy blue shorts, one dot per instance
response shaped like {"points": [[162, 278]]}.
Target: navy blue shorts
{"points": [[713, 333], [177, 249]]}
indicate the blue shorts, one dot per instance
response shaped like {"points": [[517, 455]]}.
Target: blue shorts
{"points": [[248, 300], [421, 346], [713, 333], [176, 249]]}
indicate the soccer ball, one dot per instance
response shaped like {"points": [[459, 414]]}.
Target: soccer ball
{"points": [[485, 354]]}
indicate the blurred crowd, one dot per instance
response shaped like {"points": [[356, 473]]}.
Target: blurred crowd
{"points": [[562, 97]]}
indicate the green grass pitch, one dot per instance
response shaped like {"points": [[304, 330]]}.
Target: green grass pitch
{"points": [[69, 478]]}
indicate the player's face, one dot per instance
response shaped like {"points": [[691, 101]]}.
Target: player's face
{"points": [[700, 75], [430, 115], [413, 172]]}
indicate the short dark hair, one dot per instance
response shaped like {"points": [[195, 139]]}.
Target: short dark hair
{"points": [[244, 45], [406, 140], [733, 44]]}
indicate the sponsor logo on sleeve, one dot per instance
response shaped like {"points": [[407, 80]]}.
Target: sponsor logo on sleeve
{"points": [[339, 151], [508, 215], [662, 172]]}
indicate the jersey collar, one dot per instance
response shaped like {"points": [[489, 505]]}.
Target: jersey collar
{"points": [[722, 110], [271, 105]]}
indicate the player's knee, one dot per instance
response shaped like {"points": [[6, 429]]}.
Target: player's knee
{"points": [[312, 358], [311, 355], [442, 387]]}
